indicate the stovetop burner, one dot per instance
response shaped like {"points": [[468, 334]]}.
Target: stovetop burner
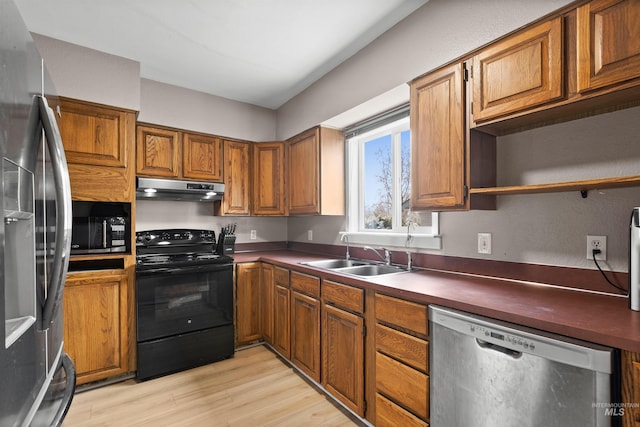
{"points": [[177, 247]]}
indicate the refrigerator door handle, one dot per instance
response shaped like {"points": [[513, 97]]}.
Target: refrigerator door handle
{"points": [[69, 390], [63, 212]]}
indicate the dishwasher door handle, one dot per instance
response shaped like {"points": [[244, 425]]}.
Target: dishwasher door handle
{"points": [[495, 347]]}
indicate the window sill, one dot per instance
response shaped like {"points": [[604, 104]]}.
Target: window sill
{"points": [[418, 241]]}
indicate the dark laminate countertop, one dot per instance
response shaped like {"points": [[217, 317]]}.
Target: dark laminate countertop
{"points": [[598, 318]]}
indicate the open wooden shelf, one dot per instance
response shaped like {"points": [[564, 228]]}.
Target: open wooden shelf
{"points": [[592, 184]]}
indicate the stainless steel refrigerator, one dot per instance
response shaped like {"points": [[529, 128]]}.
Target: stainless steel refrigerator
{"points": [[37, 379]]}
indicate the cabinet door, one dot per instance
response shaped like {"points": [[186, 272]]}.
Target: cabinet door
{"points": [[96, 324], [608, 43], [236, 178], [281, 321], [304, 173], [343, 356], [266, 302], [305, 334], [630, 376], [202, 157], [519, 73], [158, 152], [92, 134], [268, 179], [437, 140], [248, 325]]}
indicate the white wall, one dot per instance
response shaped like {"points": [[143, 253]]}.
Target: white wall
{"points": [[158, 214], [187, 109], [87, 74]]}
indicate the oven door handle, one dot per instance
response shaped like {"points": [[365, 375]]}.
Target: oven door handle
{"points": [[185, 270]]}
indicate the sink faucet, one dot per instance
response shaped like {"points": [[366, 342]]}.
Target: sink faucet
{"points": [[387, 255], [345, 238]]}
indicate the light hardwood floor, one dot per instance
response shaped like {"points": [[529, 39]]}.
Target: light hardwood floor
{"points": [[254, 388]]}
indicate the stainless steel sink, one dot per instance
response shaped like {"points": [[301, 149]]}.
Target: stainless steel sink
{"points": [[372, 270], [355, 267], [332, 264]]}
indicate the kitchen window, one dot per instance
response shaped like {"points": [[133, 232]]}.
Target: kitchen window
{"points": [[379, 186]]}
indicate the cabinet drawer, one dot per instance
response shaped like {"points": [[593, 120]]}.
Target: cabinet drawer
{"points": [[388, 414], [343, 296], [403, 384], [404, 314], [309, 285], [281, 276], [404, 347]]}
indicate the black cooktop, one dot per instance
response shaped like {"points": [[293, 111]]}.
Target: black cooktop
{"points": [[177, 247]]}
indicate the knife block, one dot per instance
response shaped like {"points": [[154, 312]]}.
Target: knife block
{"points": [[226, 244]]}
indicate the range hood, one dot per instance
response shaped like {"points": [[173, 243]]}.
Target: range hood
{"points": [[171, 189]]}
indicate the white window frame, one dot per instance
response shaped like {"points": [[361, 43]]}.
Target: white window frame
{"points": [[418, 237]]}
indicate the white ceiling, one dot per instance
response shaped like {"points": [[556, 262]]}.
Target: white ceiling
{"points": [[262, 52]]}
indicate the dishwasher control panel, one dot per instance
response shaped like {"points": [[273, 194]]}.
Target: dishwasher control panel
{"points": [[514, 340]]}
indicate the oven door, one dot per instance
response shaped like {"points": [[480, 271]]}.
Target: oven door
{"points": [[173, 301]]}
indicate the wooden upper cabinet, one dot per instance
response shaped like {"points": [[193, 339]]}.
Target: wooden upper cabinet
{"points": [[519, 72], [93, 134], [158, 152], [170, 153], [268, 179], [315, 167], [236, 199], [100, 149], [608, 43], [304, 173], [202, 157], [437, 140]]}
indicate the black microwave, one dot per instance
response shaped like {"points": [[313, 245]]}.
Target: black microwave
{"points": [[99, 234]]}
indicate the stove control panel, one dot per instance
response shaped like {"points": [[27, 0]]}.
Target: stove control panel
{"points": [[174, 237]]}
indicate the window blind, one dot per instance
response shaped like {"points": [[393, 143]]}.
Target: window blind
{"points": [[377, 121]]}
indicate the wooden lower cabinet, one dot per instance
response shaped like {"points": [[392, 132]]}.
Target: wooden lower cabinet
{"points": [[305, 334], [388, 414], [282, 312], [266, 296], [248, 323], [97, 322], [343, 356], [343, 344], [321, 328], [631, 388], [401, 362]]}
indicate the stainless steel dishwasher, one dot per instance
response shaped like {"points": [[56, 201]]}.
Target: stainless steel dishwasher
{"points": [[493, 374]]}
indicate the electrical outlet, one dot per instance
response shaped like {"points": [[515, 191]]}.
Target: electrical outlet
{"points": [[597, 242], [309, 234], [484, 243], [254, 235]]}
